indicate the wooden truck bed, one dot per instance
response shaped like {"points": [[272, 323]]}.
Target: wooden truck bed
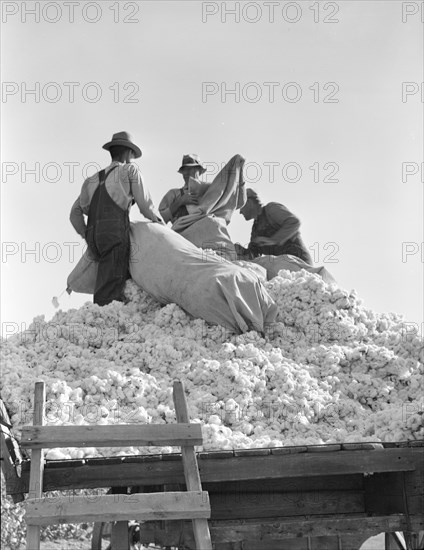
{"points": [[323, 496], [288, 498]]}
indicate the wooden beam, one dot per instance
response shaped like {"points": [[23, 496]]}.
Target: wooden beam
{"points": [[262, 505], [384, 493], [333, 525], [151, 470], [137, 506], [37, 465], [307, 464], [329, 484], [120, 536], [191, 470], [278, 529], [119, 435]]}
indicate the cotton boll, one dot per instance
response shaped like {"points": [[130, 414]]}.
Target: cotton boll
{"points": [[330, 370]]}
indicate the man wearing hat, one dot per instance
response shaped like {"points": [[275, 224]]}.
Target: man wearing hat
{"points": [[174, 203], [275, 230], [106, 199]]}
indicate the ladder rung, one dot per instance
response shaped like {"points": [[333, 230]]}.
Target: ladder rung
{"points": [[119, 435], [119, 507]]}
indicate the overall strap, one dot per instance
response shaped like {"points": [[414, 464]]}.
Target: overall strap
{"points": [[105, 176], [102, 177]]}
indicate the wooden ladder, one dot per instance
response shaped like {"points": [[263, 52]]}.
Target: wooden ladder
{"points": [[119, 508]]}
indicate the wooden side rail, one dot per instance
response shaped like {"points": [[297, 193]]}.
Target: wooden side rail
{"points": [[118, 435], [118, 508], [137, 506]]}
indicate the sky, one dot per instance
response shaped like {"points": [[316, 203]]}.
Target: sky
{"points": [[323, 99]]}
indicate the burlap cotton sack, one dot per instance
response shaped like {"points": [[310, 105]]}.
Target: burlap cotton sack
{"points": [[173, 270]]}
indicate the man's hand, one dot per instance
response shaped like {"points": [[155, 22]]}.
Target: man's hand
{"points": [[188, 198], [263, 241]]}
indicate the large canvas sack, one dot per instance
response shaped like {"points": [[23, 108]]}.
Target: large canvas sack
{"points": [[83, 277], [211, 232], [220, 198], [273, 264], [173, 270]]}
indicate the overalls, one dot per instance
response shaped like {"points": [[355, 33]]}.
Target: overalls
{"points": [[109, 241], [263, 227]]}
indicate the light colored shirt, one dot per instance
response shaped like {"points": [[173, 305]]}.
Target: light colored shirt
{"points": [[165, 205], [123, 184]]}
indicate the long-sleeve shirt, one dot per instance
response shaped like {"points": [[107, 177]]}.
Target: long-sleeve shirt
{"points": [[277, 222], [173, 194], [165, 206], [124, 185]]}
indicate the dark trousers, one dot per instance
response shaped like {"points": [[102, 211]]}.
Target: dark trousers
{"points": [[113, 259]]}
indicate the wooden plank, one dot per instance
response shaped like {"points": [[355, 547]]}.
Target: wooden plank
{"points": [[289, 450], [205, 455], [137, 506], [324, 483], [306, 464], [172, 456], [330, 448], [117, 435], [134, 459], [252, 452], [394, 504], [315, 543], [388, 484], [37, 465], [384, 493], [159, 472], [279, 529], [191, 470], [120, 538], [361, 446], [262, 505]]}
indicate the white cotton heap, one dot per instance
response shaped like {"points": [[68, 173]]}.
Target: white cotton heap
{"points": [[330, 370]]}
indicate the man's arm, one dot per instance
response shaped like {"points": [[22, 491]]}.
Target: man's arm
{"points": [[76, 218], [142, 196], [169, 205], [172, 201]]}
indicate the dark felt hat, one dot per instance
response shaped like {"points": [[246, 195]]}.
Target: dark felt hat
{"points": [[190, 161], [124, 139]]}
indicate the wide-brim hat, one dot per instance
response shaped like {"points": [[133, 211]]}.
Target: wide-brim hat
{"points": [[190, 161], [124, 139]]}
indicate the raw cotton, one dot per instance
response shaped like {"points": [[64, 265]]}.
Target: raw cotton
{"points": [[329, 370]]}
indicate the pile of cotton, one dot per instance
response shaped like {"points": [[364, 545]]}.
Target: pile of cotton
{"points": [[330, 370]]}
